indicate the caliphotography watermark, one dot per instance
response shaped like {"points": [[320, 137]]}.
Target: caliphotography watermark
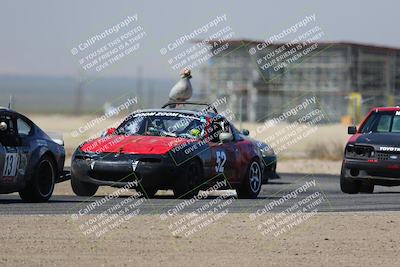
{"points": [[183, 149], [110, 45], [108, 213], [289, 128], [109, 113], [294, 208], [195, 48], [194, 215], [273, 55]]}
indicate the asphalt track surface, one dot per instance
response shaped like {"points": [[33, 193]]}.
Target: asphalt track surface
{"points": [[326, 186]]}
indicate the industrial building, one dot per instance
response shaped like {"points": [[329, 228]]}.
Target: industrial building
{"points": [[347, 78]]}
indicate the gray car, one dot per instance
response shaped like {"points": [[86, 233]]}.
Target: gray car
{"points": [[30, 161]]}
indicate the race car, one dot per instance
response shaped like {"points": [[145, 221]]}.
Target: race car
{"points": [[30, 161], [372, 154], [174, 148]]}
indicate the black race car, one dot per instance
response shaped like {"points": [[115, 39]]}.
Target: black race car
{"points": [[170, 148], [372, 155], [30, 161]]}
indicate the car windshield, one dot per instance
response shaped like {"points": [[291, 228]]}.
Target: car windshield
{"points": [[173, 124], [382, 122]]}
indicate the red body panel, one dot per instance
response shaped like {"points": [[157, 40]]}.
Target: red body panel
{"points": [[133, 144], [386, 109], [238, 154], [354, 137]]}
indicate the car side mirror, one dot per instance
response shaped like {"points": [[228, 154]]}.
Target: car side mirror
{"points": [[225, 137], [3, 126], [245, 132], [352, 130], [111, 131]]}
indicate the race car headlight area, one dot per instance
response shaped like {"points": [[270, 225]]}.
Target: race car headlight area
{"points": [[82, 155], [359, 152], [267, 151]]}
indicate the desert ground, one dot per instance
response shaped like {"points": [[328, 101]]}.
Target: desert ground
{"points": [[327, 239]]}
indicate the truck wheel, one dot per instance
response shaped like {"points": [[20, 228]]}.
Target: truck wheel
{"points": [[251, 185], [41, 186], [367, 187], [187, 184], [347, 185], [82, 189]]}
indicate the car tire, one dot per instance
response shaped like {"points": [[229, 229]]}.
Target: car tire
{"points": [[147, 192], [41, 185], [348, 185], [367, 187], [251, 185], [188, 181], [83, 189]]}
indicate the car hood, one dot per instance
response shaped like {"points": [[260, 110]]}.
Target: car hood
{"points": [[133, 144], [381, 139]]}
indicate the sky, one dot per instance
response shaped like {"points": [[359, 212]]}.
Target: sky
{"points": [[37, 36]]}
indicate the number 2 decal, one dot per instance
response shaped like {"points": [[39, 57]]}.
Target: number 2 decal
{"points": [[10, 165], [221, 159]]}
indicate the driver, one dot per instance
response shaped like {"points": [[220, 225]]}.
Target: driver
{"points": [[195, 132], [8, 136], [156, 127], [158, 124], [195, 128]]}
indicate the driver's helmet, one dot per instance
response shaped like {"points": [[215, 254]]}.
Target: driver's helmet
{"points": [[195, 132], [3, 126], [199, 130], [157, 123]]}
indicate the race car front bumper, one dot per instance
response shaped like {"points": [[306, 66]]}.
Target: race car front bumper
{"points": [[385, 172], [269, 172], [149, 171]]}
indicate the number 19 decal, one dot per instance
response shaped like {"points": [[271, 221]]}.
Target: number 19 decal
{"points": [[221, 159], [10, 165]]}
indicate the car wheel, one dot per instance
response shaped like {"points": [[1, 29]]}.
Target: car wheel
{"points": [[147, 192], [41, 186], [251, 185], [348, 185], [83, 189], [187, 183], [367, 187]]}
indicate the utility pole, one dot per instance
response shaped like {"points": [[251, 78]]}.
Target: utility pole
{"points": [[150, 95], [79, 96], [11, 102], [139, 86]]}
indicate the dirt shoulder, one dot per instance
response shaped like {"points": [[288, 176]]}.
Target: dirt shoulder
{"points": [[329, 239], [309, 166]]}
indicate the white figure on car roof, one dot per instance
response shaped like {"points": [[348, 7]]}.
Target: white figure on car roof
{"points": [[182, 90]]}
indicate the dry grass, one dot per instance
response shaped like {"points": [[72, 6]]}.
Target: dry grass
{"points": [[323, 151], [327, 142]]}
